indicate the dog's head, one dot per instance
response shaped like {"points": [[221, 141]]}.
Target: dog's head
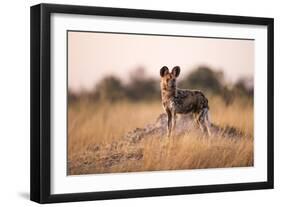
{"points": [[168, 79]]}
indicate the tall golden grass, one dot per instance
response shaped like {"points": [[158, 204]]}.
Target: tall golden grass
{"points": [[96, 139]]}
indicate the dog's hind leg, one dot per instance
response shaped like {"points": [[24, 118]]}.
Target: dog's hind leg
{"points": [[204, 121], [196, 119], [208, 122], [200, 121]]}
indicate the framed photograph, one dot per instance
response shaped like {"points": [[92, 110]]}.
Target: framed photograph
{"points": [[133, 103]]}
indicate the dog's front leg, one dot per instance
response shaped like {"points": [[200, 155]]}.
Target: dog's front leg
{"points": [[174, 120], [169, 128]]}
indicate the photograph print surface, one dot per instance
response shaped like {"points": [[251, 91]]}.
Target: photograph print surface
{"points": [[143, 102]]}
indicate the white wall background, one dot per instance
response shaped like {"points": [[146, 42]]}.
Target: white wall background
{"points": [[14, 104]]}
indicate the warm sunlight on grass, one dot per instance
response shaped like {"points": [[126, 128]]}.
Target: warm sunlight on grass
{"points": [[96, 141]]}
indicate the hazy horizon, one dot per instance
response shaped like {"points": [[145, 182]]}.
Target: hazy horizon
{"points": [[92, 56]]}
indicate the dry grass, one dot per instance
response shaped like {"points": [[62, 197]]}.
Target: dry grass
{"points": [[96, 139]]}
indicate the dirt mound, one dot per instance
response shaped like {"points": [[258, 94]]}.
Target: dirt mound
{"points": [[184, 124]]}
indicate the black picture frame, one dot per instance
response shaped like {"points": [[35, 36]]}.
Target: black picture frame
{"points": [[41, 99]]}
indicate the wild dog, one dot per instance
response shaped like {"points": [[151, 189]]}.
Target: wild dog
{"points": [[182, 101]]}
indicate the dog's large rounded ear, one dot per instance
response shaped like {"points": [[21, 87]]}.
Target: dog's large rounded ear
{"points": [[164, 71], [176, 71]]}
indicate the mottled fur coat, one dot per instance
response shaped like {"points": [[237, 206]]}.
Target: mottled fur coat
{"points": [[182, 101]]}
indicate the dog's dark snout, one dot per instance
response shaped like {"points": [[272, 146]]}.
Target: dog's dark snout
{"points": [[173, 82]]}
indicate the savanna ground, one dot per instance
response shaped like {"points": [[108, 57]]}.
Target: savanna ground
{"points": [[116, 137]]}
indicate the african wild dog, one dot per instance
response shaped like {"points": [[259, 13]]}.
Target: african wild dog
{"points": [[180, 101]]}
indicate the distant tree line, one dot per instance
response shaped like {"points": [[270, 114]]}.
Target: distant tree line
{"points": [[141, 87]]}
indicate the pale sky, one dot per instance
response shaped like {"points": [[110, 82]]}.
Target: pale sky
{"points": [[91, 56]]}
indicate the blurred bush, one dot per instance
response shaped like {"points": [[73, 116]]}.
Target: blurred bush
{"points": [[205, 79], [141, 87], [110, 88], [144, 88]]}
